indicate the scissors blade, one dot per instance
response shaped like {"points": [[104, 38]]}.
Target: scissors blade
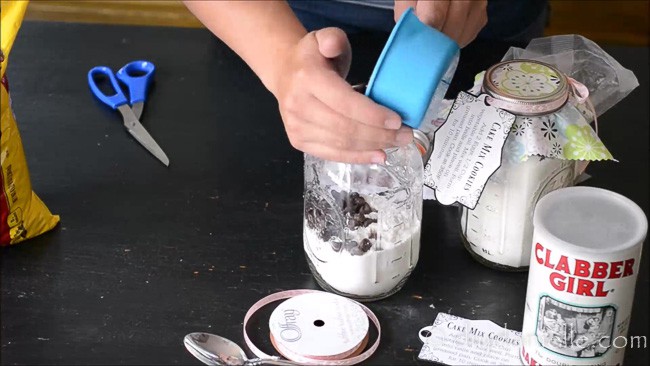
{"points": [[137, 109], [136, 130]]}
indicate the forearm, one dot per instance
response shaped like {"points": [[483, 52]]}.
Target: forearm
{"points": [[260, 32]]}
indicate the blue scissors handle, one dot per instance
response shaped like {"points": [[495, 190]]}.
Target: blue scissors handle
{"points": [[137, 76], [114, 100]]}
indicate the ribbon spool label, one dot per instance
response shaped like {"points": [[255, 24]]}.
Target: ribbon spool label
{"points": [[320, 326], [355, 355]]}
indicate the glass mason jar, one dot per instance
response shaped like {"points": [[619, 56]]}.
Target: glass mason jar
{"points": [[498, 231], [362, 222]]}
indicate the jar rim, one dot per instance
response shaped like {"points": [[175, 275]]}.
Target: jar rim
{"points": [[536, 103], [421, 142]]}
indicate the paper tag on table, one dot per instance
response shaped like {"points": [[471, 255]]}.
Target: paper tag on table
{"points": [[467, 150], [454, 341]]}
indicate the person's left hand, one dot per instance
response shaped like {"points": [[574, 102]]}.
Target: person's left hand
{"points": [[461, 20]]}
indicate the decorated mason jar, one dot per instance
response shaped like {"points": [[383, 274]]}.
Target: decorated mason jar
{"points": [[362, 222], [548, 147]]}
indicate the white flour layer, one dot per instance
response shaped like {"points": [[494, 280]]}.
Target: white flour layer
{"points": [[374, 273]]}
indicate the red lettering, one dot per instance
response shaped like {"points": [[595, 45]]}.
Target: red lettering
{"points": [[582, 268], [525, 354], [629, 268], [538, 248], [600, 270], [615, 270], [529, 360], [600, 292], [547, 261], [585, 287], [569, 286], [557, 281], [563, 265]]}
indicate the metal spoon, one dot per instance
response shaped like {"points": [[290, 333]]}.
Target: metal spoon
{"points": [[215, 350]]}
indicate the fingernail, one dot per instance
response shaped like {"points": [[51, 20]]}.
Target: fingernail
{"points": [[377, 159], [404, 136], [393, 124]]}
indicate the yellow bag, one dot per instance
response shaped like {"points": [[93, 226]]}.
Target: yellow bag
{"points": [[22, 214]]}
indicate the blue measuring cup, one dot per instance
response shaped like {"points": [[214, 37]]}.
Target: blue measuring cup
{"points": [[414, 69]]}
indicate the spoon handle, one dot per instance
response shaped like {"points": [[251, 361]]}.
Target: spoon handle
{"points": [[270, 361]]}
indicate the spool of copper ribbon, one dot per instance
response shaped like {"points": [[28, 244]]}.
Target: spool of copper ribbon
{"points": [[317, 328]]}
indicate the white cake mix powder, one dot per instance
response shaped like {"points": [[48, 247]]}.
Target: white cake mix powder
{"points": [[372, 257], [500, 228]]}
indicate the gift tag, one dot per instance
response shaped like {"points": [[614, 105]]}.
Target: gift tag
{"points": [[467, 150], [453, 340]]}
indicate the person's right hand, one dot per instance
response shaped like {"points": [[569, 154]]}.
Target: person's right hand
{"points": [[322, 114], [461, 20]]}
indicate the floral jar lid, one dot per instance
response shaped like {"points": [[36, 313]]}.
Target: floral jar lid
{"points": [[526, 87], [559, 129]]}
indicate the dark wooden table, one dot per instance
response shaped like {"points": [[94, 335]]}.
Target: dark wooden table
{"points": [[145, 254]]}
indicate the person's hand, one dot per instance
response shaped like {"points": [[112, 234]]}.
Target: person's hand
{"points": [[461, 20], [322, 114]]}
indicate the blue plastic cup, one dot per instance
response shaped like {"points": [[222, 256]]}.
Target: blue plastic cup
{"points": [[414, 70]]}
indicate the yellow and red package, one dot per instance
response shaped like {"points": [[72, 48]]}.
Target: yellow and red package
{"points": [[22, 214]]}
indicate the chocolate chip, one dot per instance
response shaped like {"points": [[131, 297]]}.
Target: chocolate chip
{"points": [[367, 222], [328, 232], [356, 251], [353, 206], [365, 245], [358, 202], [373, 235], [347, 202]]}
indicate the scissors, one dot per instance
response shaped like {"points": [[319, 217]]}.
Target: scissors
{"points": [[137, 77]]}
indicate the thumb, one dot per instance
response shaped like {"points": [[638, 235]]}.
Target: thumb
{"points": [[401, 6], [334, 45]]}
